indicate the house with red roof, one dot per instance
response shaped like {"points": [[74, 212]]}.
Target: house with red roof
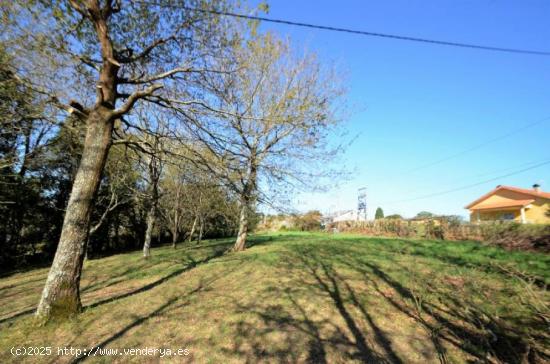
{"points": [[512, 204]]}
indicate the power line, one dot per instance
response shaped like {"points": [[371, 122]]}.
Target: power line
{"points": [[472, 185], [476, 147], [465, 151], [354, 31], [485, 174], [500, 170]]}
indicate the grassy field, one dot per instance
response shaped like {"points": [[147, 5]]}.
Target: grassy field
{"points": [[298, 297]]}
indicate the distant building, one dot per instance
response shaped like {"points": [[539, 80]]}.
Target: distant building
{"points": [[347, 215], [512, 204]]}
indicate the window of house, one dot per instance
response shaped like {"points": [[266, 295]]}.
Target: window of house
{"points": [[507, 216]]}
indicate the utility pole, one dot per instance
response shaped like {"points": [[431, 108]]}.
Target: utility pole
{"points": [[362, 204]]}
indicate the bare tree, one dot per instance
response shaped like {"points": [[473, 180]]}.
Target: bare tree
{"points": [[172, 201], [270, 129], [109, 54], [154, 166], [119, 179], [192, 198]]}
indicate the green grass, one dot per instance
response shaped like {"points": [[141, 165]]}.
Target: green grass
{"points": [[299, 297]]}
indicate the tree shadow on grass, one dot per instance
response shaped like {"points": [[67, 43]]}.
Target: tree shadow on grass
{"points": [[473, 256], [11, 286], [330, 283], [355, 340], [27, 269], [253, 343], [205, 244], [139, 321], [258, 240], [449, 317], [456, 319], [114, 279], [119, 277], [17, 315], [192, 264]]}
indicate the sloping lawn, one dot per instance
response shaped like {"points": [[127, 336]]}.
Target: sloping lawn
{"points": [[297, 297]]}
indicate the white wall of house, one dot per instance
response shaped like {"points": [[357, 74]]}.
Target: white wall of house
{"points": [[350, 215]]}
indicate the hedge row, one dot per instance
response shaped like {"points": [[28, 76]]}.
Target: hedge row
{"points": [[508, 235]]}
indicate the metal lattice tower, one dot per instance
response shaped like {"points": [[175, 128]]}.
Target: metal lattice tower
{"points": [[362, 204]]}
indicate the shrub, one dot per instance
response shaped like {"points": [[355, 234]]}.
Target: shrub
{"points": [[518, 236], [394, 216], [512, 236], [309, 221]]}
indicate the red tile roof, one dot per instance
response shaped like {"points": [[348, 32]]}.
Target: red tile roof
{"points": [[531, 193], [504, 204]]}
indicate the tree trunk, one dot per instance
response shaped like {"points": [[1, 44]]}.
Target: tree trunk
{"points": [[243, 229], [174, 238], [175, 228], [192, 230], [201, 227], [20, 207], [154, 176], [61, 294], [117, 229], [149, 232], [247, 201]]}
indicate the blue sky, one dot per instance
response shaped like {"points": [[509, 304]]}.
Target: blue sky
{"points": [[420, 103]]}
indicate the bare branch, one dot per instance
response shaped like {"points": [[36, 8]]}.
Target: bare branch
{"points": [[171, 73], [113, 204], [76, 6], [133, 98]]}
